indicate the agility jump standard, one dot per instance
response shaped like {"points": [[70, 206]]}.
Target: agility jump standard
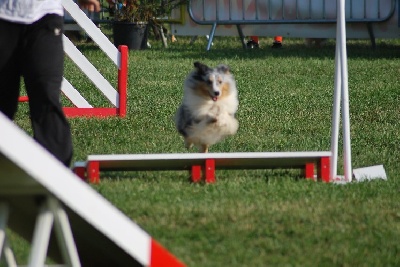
{"points": [[341, 98], [119, 57], [38, 193]]}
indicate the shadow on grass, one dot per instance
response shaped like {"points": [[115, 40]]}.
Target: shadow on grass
{"points": [[268, 175], [354, 50]]}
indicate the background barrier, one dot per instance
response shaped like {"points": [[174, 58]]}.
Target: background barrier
{"points": [[289, 18]]}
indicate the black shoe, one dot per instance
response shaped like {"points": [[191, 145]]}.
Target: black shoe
{"points": [[252, 44]]}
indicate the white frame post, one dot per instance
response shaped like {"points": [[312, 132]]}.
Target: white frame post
{"points": [[3, 224], [341, 91], [64, 234], [50, 213], [4, 247], [41, 237]]}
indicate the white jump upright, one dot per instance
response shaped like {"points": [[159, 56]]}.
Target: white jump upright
{"points": [[119, 57], [38, 194], [341, 98]]}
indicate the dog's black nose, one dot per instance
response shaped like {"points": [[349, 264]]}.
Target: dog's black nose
{"points": [[216, 93]]}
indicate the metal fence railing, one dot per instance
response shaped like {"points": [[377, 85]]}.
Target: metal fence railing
{"points": [[244, 12]]}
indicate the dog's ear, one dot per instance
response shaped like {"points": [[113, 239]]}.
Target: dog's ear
{"points": [[201, 68], [223, 68]]}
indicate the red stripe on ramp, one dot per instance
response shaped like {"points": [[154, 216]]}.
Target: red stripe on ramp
{"points": [[160, 257]]}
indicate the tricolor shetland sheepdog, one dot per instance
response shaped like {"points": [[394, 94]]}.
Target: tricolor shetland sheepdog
{"points": [[210, 101]]}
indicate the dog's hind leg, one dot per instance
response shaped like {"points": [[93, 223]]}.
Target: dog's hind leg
{"points": [[204, 149], [188, 144]]}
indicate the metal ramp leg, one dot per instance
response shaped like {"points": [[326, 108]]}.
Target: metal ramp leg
{"points": [[4, 247], [9, 256], [64, 234], [3, 223], [50, 214]]}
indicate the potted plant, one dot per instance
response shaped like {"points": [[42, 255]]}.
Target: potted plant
{"points": [[132, 18]]}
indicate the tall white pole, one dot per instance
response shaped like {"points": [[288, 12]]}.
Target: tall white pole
{"points": [[341, 95], [345, 94], [336, 110]]}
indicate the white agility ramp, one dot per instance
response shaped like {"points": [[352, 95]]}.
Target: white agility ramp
{"points": [[38, 193]]}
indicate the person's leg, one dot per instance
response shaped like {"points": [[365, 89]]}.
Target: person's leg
{"points": [[43, 72], [9, 72]]}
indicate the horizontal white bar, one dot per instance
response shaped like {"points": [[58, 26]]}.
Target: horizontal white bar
{"points": [[234, 155], [179, 161]]}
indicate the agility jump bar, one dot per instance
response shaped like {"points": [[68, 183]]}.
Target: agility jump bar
{"points": [[203, 165]]}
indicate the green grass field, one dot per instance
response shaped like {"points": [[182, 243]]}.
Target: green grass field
{"points": [[254, 217]]}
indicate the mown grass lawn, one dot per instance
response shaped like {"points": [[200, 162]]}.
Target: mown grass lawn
{"points": [[255, 217]]}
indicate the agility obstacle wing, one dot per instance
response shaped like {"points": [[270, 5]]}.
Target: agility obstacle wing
{"points": [[37, 194], [119, 57]]}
